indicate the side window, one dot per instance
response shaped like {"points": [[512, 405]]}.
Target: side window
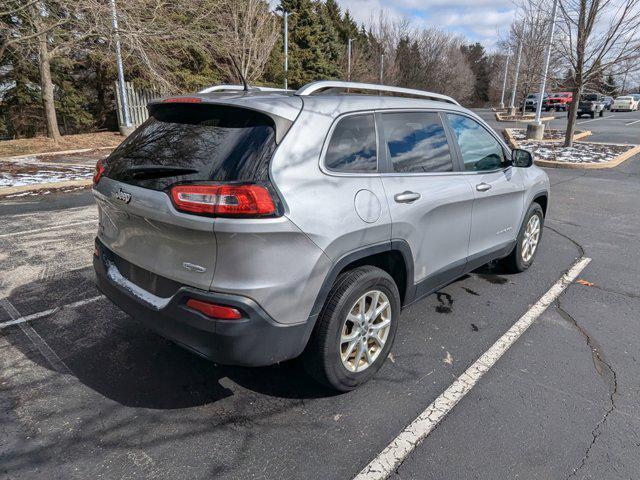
{"points": [[416, 142], [353, 147], [480, 150]]}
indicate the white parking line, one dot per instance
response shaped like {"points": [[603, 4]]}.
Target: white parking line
{"points": [[631, 123], [34, 316], [597, 118], [394, 454], [45, 229]]}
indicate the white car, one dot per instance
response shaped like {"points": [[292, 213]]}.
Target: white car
{"points": [[626, 102]]}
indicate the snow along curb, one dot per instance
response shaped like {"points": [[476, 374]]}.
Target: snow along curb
{"points": [[513, 143], [610, 164], [578, 165], [50, 154], [45, 186], [527, 119]]}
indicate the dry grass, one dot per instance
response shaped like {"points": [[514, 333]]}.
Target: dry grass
{"points": [[27, 146]]}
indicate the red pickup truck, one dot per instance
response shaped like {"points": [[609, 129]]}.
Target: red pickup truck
{"points": [[558, 101]]}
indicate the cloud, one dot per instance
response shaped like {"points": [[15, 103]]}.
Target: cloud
{"points": [[478, 20]]}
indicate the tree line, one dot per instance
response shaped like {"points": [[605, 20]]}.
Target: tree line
{"points": [[58, 70]]}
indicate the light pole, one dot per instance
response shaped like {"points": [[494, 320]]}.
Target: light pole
{"points": [[285, 15], [536, 130], [512, 107], [349, 59], [123, 95], [504, 81], [381, 68]]}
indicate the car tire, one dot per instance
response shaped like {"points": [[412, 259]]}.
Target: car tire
{"points": [[517, 261], [324, 356], [593, 115], [601, 114]]}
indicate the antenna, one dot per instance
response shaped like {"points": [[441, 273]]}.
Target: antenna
{"points": [[244, 81]]}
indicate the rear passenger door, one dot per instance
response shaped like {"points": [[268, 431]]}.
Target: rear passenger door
{"points": [[498, 188], [430, 203]]}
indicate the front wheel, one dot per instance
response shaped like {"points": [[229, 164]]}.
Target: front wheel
{"points": [[522, 255], [355, 330], [601, 113]]}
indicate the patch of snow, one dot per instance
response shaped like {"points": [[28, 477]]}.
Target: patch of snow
{"points": [[579, 153], [114, 274]]}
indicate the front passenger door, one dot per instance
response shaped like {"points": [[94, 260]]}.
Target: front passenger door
{"points": [[498, 189]]}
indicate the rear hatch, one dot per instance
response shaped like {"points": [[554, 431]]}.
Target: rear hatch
{"points": [[181, 144]]}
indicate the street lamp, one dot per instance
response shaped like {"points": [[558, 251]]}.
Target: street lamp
{"points": [[512, 107], [536, 130], [285, 16], [126, 128], [382, 68], [349, 42], [504, 81]]}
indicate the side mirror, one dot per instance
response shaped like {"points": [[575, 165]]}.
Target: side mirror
{"points": [[521, 158]]}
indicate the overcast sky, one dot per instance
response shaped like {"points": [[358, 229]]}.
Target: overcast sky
{"points": [[478, 20]]}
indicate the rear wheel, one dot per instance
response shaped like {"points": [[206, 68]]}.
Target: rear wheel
{"points": [[593, 114], [355, 330], [522, 255], [601, 113]]}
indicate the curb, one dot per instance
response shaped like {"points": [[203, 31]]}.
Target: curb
{"points": [[553, 164], [50, 154], [499, 118], [45, 186], [610, 164], [514, 144]]}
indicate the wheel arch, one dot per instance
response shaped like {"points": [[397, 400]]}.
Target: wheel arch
{"points": [[394, 257]]}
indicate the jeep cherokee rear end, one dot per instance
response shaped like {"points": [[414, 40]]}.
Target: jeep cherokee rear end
{"points": [[191, 228]]}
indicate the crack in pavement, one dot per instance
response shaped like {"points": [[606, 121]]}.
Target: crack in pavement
{"points": [[604, 369], [575, 242]]}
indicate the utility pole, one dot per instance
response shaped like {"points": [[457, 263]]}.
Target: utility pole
{"points": [[512, 107], [285, 15], [536, 130], [123, 94], [504, 81], [381, 68], [349, 59]]}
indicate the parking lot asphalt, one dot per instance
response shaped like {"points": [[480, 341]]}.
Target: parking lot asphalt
{"points": [[85, 392], [612, 127]]}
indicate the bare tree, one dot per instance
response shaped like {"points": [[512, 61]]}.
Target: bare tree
{"points": [[246, 35], [596, 36]]}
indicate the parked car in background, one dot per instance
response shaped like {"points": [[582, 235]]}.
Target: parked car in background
{"points": [[608, 101], [531, 102], [636, 96], [625, 102], [591, 104], [558, 101], [206, 236]]}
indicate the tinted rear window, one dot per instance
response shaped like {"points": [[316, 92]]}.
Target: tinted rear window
{"points": [[590, 98], [353, 145], [195, 143]]}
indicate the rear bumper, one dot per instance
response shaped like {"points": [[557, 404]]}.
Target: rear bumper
{"points": [[254, 340]]}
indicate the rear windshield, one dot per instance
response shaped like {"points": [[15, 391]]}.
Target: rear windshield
{"points": [[590, 97], [191, 142]]}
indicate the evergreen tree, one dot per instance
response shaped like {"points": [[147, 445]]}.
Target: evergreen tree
{"points": [[479, 64]]}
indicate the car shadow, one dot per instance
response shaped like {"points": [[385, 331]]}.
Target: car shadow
{"points": [[113, 354]]}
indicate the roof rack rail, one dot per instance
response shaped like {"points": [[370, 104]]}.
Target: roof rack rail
{"points": [[236, 88], [314, 87]]}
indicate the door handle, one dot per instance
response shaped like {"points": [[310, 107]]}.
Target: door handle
{"points": [[483, 187], [406, 197]]}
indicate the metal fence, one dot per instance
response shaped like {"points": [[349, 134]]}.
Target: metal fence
{"points": [[137, 100]]}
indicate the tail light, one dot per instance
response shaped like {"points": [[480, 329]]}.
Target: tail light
{"points": [[224, 200], [97, 173], [214, 310]]}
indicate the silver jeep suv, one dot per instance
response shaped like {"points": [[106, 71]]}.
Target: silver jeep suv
{"points": [[252, 227]]}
